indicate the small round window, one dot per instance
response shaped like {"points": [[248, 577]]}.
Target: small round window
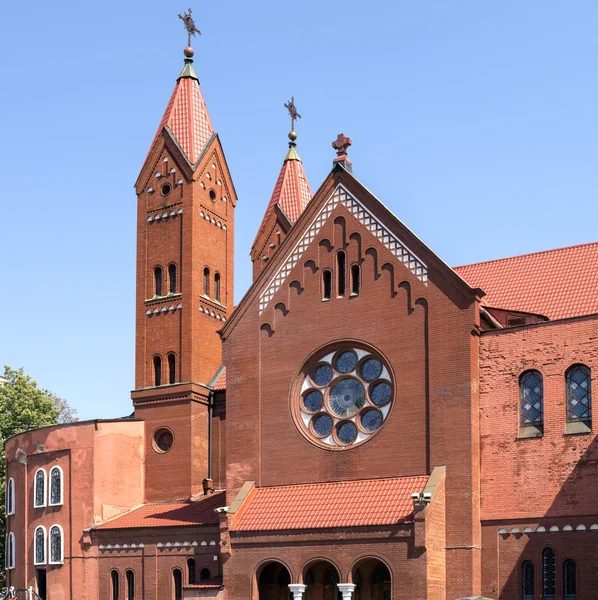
{"points": [[212, 195], [345, 396], [166, 189], [163, 440]]}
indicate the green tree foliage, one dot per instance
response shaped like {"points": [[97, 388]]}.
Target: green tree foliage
{"points": [[24, 406]]}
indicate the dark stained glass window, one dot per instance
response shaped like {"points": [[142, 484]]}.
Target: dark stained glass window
{"points": [[171, 368], [527, 580], [549, 573], [55, 544], [322, 375], [381, 393], [191, 571], [40, 546], [371, 420], [313, 401], [158, 280], [10, 497], [172, 279], [347, 397], [322, 425], [217, 287], [346, 432], [579, 394], [130, 576], [206, 282], [346, 362], [55, 486], [177, 579], [114, 582], [531, 395], [40, 488], [570, 577], [370, 369]]}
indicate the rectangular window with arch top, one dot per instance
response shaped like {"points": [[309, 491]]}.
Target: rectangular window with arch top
{"points": [[326, 285], [355, 280], [341, 260]]}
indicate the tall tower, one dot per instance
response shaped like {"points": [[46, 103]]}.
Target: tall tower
{"points": [[185, 228]]}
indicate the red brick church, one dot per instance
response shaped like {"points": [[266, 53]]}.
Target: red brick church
{"points": [[368, 423]]}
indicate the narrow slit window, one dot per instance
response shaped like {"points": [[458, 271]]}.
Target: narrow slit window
{"points": [[171, 368], [172, 278], [326, 284], [528, 583], [206, 282], [217, 287], [177, 580], [157, 371], [114, 582], [10, 497], [130, 576], [158, 280], [355, 280], [548, 573], [341, 259], [9, 552], [191, 571]]}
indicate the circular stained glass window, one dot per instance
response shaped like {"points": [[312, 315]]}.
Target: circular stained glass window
{"points": [[163, 440], [346, 395]]}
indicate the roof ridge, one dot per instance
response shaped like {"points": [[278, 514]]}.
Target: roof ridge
{"points": [[347, 481], [548, 251]]}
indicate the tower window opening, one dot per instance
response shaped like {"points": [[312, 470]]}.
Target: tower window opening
{"points": [[549, 573], [191, 571], [166, 189], [158, 280], [570, 577], [177, 580], [326, 284], [114, 582], [204, 574], [157, 371], [217, 287], [130, 576], [212, 195], [172, 278], [355, 280], [341, 259], [206, 282], [171, 368]]}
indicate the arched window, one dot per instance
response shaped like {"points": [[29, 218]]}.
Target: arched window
{"points": [[528, 583], [570, 579], [206, 282], [114, 584], [204, 574], [158, 280], [217, 287], [355, 280], [177, 582], [579, 394], [39, 496], [56, 486], [172, 278], [39, 546], [130, 577], [531, 395], [190, 571], [56, 547], [9, 552], [10, 497], [171, 368], [341, 260], [157, 371], [326, 284], [548, 573]]}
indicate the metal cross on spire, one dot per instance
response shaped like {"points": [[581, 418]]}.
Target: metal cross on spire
{"points": [[290, 106], [189, 25]]}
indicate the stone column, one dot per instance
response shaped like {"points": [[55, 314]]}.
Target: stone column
{"points": [[346, 589], [297, 589]]}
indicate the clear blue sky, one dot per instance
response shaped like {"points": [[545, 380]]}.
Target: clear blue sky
{"points": [[475, 122]]}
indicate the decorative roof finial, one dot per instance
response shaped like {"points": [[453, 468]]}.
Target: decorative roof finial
{"points": [[290, 106], [191, 31], [341, 144]]}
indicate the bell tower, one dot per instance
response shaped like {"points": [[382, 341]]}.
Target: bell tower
{"points": [[185, 226]]}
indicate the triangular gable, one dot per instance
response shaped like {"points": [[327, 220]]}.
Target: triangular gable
{"points": [[384, 225]]}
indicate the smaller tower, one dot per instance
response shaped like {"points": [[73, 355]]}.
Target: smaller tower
{"points": [[289, 199]]}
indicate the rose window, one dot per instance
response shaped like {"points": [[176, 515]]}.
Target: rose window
{"points": [[345, 397]]}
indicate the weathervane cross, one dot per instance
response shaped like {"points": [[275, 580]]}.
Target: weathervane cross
{"points": [[290, 106], [189, 25]]}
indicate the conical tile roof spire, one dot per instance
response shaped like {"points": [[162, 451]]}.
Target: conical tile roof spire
{"points": [[186, 116]]}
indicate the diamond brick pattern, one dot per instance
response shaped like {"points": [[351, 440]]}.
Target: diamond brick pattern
{"points": [[556, 283], [342, 196], [358, 503], [171, 514]]}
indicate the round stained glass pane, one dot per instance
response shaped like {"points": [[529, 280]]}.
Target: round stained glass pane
{"points": [[371, 420], [381, 393], [313, 401], [347, 397], [346, 433], [322, 425], [322, 375], [346, 362], [370, 369], [163, 440]]}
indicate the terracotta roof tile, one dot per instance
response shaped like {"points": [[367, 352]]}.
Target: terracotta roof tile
{"points": [[557, 283], [171, 514], [325, 505], [221, 382], [213, 582]]}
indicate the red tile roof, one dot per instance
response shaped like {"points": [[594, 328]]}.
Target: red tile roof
{"points": [[220, 382], [213, 582], [187, 118], [291, 192], [171, 514], [325, 505], [556, 283]]}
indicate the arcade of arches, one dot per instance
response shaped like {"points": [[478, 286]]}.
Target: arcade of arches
{"points": [[371, 580]]}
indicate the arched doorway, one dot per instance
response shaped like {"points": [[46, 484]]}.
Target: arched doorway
{"points": [[372, 580], [321, 579], [272, 582]]}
